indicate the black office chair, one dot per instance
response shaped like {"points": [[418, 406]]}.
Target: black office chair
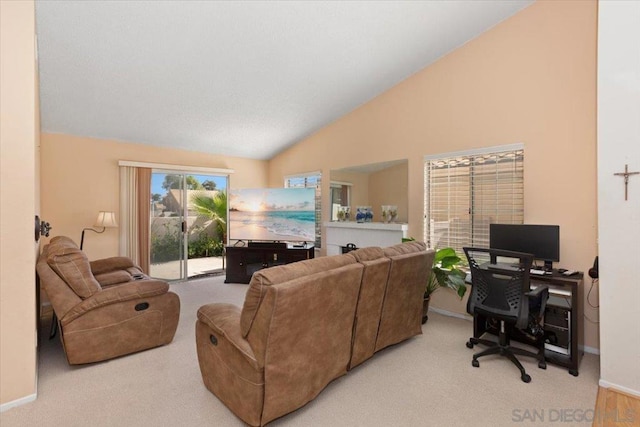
{"points": [[502, 302]]}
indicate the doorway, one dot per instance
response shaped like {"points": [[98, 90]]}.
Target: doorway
{"points": [[188, 224]]}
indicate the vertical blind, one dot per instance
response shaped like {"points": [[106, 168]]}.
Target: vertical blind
{"points": [[310, 180], [465, 192]]}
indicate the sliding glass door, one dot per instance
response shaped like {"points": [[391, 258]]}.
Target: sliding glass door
{"points": [[167, 225], [188, 227]]}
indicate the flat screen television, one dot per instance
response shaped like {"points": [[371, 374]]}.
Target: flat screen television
{"points": [[272, 214], [543, 241]]}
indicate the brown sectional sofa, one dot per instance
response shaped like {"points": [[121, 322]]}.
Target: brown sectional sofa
{"points": [[106, 308], [306, 323]]}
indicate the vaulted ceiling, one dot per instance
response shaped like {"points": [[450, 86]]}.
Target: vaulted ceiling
{"points": [[237, 78]]}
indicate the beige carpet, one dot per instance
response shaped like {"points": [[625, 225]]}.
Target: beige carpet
{"points": [[425, 381]]}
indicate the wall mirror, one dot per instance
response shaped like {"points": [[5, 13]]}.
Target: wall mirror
{"points": [[374, 185]]}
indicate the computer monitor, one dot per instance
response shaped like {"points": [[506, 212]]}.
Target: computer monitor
{"points": [[543, 241]]}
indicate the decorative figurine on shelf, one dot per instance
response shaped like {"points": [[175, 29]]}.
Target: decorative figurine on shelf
{"points": [[368, 215], [364, 214], [389, 213], [344, 213]]}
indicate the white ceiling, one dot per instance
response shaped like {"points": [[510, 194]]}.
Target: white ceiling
{"points": [[235, 78]]}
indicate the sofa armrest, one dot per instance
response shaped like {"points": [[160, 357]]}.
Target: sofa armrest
{"points": [[109, 264], [225, 320], [126, 292]]}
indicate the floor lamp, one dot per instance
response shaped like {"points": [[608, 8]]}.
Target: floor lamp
{"points": [[105, 220]]}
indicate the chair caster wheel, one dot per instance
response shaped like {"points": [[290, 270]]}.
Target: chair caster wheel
{"points": [[475, 363], [526, 378], [542, 365], [469, 344]]}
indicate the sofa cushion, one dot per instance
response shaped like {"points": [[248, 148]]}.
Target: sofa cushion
{"points": [[113, 277], [372, 290], [367, 254], [61, 241], [72, 265], [280, 274], [105, 265], [402, 310], [404, 248]]}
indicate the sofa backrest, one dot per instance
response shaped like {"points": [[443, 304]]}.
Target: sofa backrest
{"points": [[410, 265], [372, 292], [404, 248], [301, 330], [62, 297], [72, 265], [263, 279]]}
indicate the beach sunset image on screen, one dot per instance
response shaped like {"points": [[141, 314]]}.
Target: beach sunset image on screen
{"points": [[264, 214]]}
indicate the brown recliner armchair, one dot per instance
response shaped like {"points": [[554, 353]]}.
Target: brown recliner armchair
{"points": [[291, 338], [106, 308]]}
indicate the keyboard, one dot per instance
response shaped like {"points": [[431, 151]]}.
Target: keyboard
{"points": [[537, 272]]}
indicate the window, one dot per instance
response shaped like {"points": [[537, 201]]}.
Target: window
{"points": [[309, 180], [467, 191]]}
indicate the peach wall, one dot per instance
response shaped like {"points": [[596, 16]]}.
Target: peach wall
{"points": [[531, 79], [80, 177], [18, 194]]}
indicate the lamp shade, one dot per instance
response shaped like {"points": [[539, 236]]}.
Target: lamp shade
{"points": [[106, 220]]}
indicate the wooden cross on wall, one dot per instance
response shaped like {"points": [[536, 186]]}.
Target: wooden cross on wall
{"points": [[626, 174]]}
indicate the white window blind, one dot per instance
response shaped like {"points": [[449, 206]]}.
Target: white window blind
{"points": [[309, 180], [465, 192]]}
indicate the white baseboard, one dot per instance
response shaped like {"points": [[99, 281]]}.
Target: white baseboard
{"points": [[590, 350], [18, 402], [451, 313], [607, 384]]}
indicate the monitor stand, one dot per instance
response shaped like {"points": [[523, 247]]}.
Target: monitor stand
{"points": [[548, 266]]}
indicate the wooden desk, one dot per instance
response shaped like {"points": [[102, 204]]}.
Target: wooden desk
{"points": [[563, 319], [564, 298]]}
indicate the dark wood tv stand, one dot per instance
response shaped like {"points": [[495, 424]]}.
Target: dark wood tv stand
{"points": [[243, 261]]}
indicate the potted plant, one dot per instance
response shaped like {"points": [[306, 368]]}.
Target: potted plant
{"points": [[446, 273]]}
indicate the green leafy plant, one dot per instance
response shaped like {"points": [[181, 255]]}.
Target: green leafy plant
{"points": [[445, 273], [213, 208], [165, 245], [205, 246]]}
